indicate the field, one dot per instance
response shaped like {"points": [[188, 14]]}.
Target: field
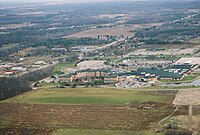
{"points": [[14, 26], [82, 111], [184, 51], [93, 64], [62, 66], [187, 97], [90, 96], [101, 132], [115, 31]]}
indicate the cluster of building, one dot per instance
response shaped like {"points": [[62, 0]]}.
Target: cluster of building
{"points": [[174, 72], [7, 69], [10, 69]]}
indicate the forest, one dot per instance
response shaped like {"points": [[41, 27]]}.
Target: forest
{"points": [[10, 87]]}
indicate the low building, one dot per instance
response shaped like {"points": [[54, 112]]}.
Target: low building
{"points": [[153, 74], [9, 72], [18, 69]]}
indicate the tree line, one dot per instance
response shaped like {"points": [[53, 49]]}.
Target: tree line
{"points": [[10, 87]]}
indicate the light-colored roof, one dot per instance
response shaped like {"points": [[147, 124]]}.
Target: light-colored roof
{"points": [[40, 62], [16, 68]]}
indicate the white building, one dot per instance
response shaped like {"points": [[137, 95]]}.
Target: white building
{"points": [[18, 69], [40, 63]]}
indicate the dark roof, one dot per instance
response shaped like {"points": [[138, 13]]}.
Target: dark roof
{"points": [[111, 76], [93, 70], [66, 75], [183, 66], [129, 73], [160, 73]]}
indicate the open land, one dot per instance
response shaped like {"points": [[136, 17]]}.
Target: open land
{"points": [[144, 48], [115, 31], [66, 111], [184, 51], [95, 64]]}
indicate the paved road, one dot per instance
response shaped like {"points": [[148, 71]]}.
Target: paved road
{"points": [[105, 46], [187, 17]]}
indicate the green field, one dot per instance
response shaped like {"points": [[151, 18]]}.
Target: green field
{"points": [[101, 132], [88, 96]]}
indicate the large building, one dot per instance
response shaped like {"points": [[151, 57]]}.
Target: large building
{"points": [[174, 72], [88, 75]]}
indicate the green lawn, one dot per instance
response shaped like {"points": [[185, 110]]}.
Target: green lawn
{"points": [[100, 132], [88, 96]]}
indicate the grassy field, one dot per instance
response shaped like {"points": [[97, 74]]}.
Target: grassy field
{"points": [[101, 132], [87, 96]]}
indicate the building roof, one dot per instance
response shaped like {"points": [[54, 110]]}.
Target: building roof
{"points": [[16, 68], [181, 66], [93, 70], [160, 73], [111, 74]]}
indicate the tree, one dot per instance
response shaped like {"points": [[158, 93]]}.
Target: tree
{"points": [[73, 84]]}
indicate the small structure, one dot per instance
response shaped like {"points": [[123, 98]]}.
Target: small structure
{"points": [[59, 49], [21, 59], [40, 63]]}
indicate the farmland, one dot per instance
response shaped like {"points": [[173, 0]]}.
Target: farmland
{"points": [[100, 132], [114, 31]]}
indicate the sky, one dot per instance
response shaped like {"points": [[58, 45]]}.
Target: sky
{"points": [[69, 1], [78, 1]]}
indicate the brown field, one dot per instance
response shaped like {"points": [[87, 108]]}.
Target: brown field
{"points": [[14, 26], [184, 51], [35, 119], [187, 97], [115, 31], [93, 64]]}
